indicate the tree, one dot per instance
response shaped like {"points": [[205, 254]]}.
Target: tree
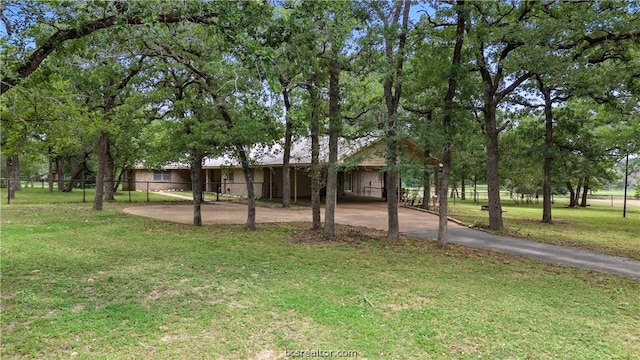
{"points": [[392, 26], [187, 122], [106, 84], [42, 117], [443, 68], [497, 32], [51, 24], [229, 75], [452, 89]]}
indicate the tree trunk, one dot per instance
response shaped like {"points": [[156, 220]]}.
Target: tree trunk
{"points": [[50, 174], [436, 183], [102, 158], [109, 174], [475, 189], [393, 232], [286, 173], [14, 178], [395, 56], [196, 187], [463, 189], [493, 177], [315, 158], [446, 122], [547, 165], [251, 196], [77, 172], [16, 169], [577, 193], [442, 195], [426, 186], [334, 133], [288, 134], [585, 190], [572, 194], [61, 173]]}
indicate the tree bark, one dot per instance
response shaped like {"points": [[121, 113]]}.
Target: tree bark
{"points": [[572, 194], [547, 165], [109, 174], [196, 187], [288, 134], [16, 172], [13, 171], [493, 177], [315, 158], [426, 186], [61, 173], [251, 196], [393, 232], [463, 188], [50, 174], [585, 190], [443, 238], [577, 193], [102, 157]]}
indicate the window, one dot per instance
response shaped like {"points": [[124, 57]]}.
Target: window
{"points": [[162, 175], [228, 175], [348, 181]]}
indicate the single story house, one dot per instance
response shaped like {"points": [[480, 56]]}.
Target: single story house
{"points": [[361, 161]]}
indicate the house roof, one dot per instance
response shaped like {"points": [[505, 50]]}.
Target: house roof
{"points": [[357, 149]]}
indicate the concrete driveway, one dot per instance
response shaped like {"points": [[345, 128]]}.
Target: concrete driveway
{"points": [[371, 214], [412, 222]]}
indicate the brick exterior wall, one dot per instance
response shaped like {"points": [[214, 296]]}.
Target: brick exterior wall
{"points": [[180, 180]]}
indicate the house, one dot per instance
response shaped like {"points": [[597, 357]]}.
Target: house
{"points": [[361, 174]]}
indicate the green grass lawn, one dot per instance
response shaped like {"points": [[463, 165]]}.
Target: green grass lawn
{"points": [[107, 285], [598, 227]]}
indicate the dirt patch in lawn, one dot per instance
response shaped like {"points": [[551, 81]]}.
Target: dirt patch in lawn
{"points": [[345, 234]]}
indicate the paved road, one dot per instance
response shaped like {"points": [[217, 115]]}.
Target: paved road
{"points": [[412, 223], [549, 253]]}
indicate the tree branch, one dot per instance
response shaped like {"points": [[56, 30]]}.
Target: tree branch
{"points": [[54, 41]]}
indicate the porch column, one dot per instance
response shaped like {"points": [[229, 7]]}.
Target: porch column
{"points": [[295, 185], [270, 183]]}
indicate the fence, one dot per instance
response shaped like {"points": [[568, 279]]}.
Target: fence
{"points": [[143, 190], [415, 195], [133, 189]]}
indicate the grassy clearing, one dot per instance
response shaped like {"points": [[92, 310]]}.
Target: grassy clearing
{"points": [[598, 227], [105, 285]]}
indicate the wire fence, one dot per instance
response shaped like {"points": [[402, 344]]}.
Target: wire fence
{"points": [[82, 190], [414, 196]]}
